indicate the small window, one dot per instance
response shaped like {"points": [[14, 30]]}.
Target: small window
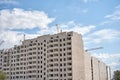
{"points": [[51, 37], [44, 40], [60, 40], [31, 41], [69, 34], [69, 58]]}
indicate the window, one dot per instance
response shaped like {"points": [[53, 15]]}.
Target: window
{"points": [[64, 59], [38, 43], [60, 49], [69, 79], [69, 74], [30, 44], [55, 45], [44, 40], [50, 45], [55, 54], [44, 45], [64, 69], [44, 49], [60, 40], [51, 37], [69, 69], [64, 49], [60, 59], [68, 38], [64, 39], [51, 41], [69, 34], [60, 54], [55, 49], [60, 75], [51, 50], [41, 48], [69, 58], [31, 41], [64, 54], [69, 43], [69, 53], [69, 63], [56, 40], [69, 48], [60, 64], [34, 43], [64, 74]]}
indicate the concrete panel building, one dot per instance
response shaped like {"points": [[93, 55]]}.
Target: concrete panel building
{"points": [[59, 56], [100, 71], [87, 65]]}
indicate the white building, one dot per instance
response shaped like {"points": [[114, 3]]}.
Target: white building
{"points": [[52, 57]]}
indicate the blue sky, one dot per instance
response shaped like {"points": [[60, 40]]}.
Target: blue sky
{"points": [[97, 20]]}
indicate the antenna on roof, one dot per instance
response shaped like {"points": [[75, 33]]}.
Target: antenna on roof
{"points": [[24, 37], [58, 28]]}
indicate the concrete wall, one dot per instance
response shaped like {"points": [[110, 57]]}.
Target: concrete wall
{"points": [[95, 68], [99, 70], [103, 71], [108, 73], [88, 71], [77, 57]]}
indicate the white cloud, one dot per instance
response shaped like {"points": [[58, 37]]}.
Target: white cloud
{"points": [[86, 1], [12, 38], [85, 10], [21, 19], [14, 2], [118, 6], [9, 38], [107, 55], [81, 29], [104, 35], [72, 26], [69, 26], [115, 15], [17, 36]]}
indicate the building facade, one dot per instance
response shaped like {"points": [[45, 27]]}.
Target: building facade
{"points": [[52, 57]]}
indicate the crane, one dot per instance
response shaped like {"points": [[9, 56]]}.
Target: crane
{"points": [[58, 28], [93, 49]]}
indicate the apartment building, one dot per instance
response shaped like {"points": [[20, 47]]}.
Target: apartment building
{"points": [[59, 56]]}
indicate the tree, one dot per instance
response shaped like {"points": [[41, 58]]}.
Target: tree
{"points": [[116, 75], [2, 76]]}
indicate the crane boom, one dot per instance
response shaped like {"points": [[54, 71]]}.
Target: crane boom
{"points": [[93, 49]]}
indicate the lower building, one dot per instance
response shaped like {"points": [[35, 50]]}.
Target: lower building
{"points": [[95, 69], [52, 57]]}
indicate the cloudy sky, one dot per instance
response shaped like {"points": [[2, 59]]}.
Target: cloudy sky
{"points": [[97, 20]]}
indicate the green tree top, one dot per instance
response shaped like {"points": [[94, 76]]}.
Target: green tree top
{"points": [[2, 76], [116, 75]]}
